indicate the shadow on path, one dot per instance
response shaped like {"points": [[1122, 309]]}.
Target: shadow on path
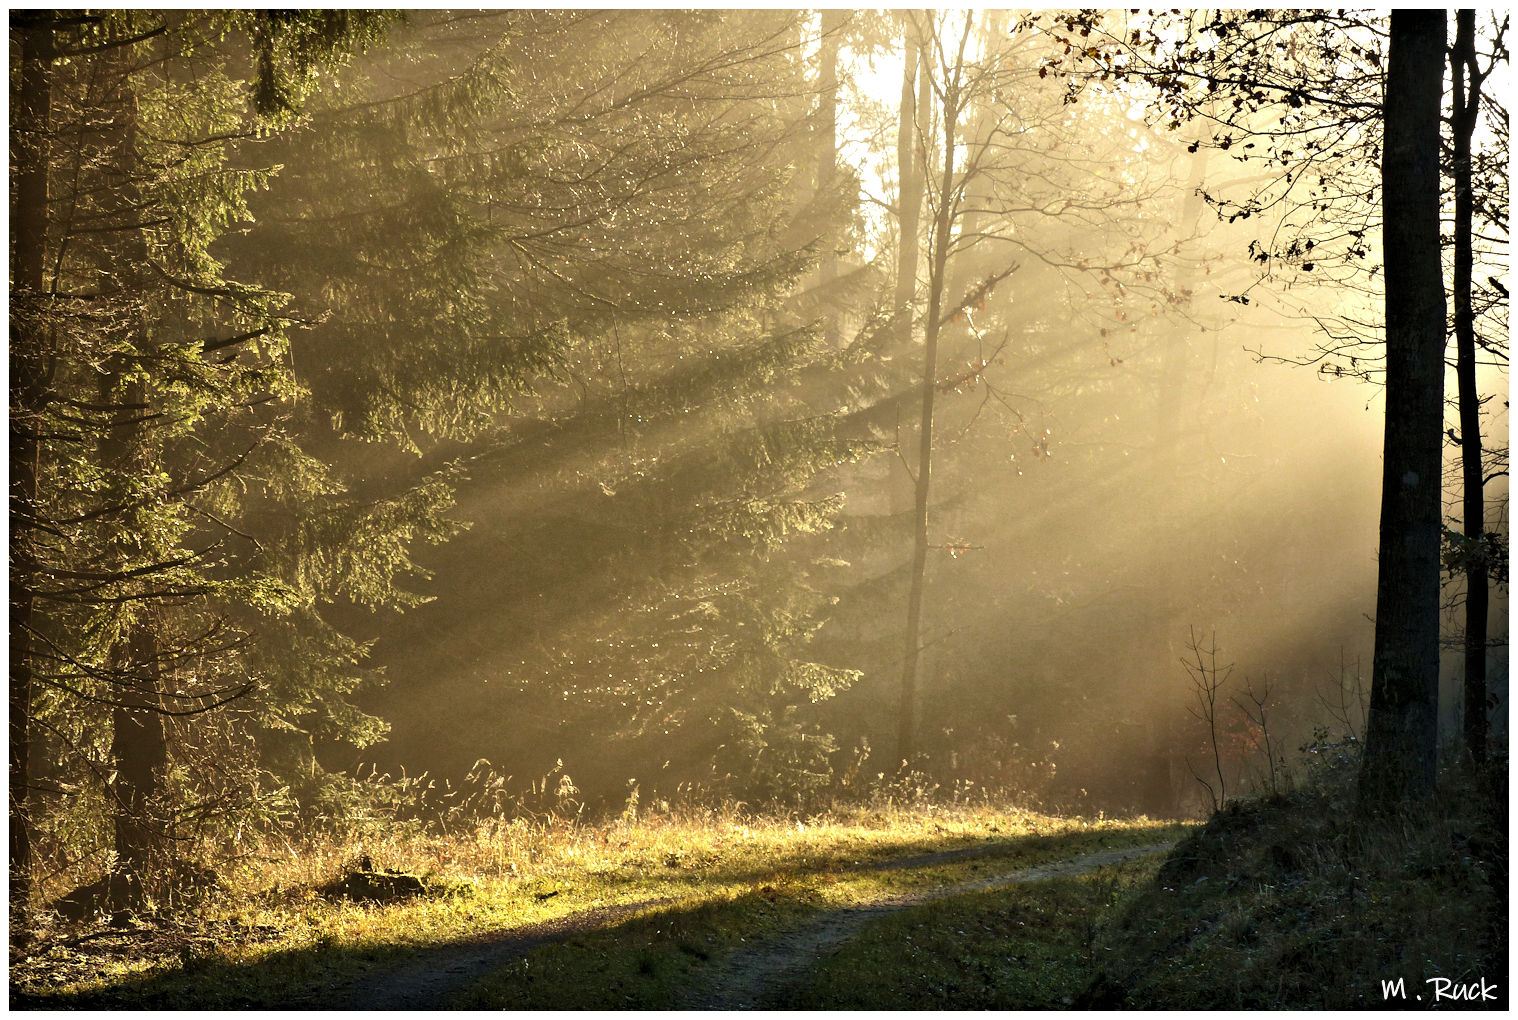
{"points": [[762, 976]]}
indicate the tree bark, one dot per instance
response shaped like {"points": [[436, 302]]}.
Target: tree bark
{"points": [[140, 749], [1402, 738], [1466, 88], [30, 155]]}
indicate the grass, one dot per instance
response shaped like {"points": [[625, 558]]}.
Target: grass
{"points": [[1287, 901], [1292, 902], [649, 963], [704, 883], [1018, 948]]}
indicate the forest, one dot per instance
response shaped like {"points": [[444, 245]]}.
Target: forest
{"points": [[672, 504]]}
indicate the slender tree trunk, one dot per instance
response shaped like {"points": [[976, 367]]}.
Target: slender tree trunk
{"points": [[974, 260], [910, 157], [30, 155], [1402, 738], [911, 161], [938, 257], [1466, 105], [913, 121]]}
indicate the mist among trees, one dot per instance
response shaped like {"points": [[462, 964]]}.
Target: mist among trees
{"points": [[610, 409]]}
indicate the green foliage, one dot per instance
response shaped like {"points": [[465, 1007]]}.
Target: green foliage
{"points": [[638, 234], [626, 233], [185, 545], [295, 46]]}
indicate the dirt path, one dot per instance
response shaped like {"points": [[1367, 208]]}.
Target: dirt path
{"points": [[758, 977], [427, 980], [762, 976]]}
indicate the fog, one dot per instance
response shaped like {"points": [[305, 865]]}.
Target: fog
{"points": [[1139, 470], [731, 466], [1063, 624]]}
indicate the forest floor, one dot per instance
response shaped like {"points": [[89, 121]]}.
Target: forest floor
{"points": [[1286, 901], [696, 914]]}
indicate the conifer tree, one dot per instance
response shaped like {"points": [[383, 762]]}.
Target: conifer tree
{"points": [[610, 198], [154, 392]]}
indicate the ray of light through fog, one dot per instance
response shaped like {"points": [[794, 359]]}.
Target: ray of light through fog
{"points": [[1125, 476], [828, 509]]}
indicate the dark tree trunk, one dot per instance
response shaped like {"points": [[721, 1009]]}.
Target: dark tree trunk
{"points": [[30, 154], [1466, 89], [139, 740], [1402, 737], [140, 751]]}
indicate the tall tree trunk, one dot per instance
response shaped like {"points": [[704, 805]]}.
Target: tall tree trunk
{"points": [[913, 123], [30, 155], [139, 740], [1466, 105], [938, 256], [1402, 737], [911, 133]]}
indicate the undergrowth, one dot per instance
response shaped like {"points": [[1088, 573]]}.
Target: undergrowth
{"points": [[1294, 901]]}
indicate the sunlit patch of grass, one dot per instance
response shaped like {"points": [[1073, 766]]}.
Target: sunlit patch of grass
{"points": [[651, 962], [726, 876]]}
